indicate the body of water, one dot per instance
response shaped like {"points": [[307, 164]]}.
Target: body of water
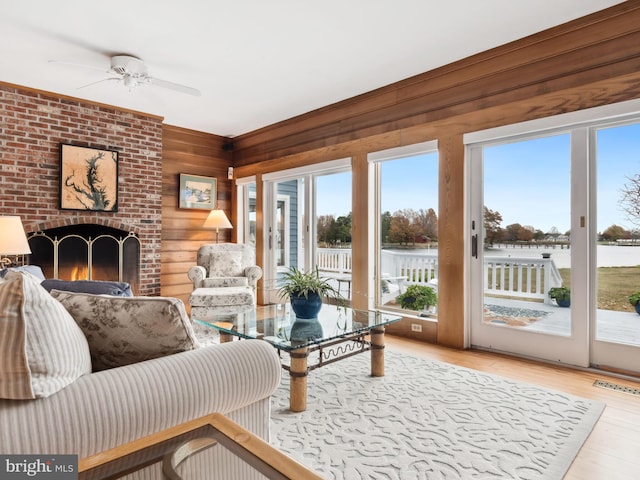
{"points": [[608, 255]]}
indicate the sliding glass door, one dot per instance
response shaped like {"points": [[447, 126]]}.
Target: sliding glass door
{"points": [[555, 240], [524, 243]]}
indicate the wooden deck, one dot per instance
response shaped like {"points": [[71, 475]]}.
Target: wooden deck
{"points": [[611, 326]]}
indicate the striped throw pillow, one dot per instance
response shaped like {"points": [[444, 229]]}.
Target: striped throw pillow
{"points": [[42, 350]]}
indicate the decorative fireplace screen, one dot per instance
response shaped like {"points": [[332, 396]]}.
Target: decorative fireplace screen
{"points": [[87, 252]]}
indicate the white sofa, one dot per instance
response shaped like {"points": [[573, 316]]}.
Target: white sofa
{"points": [[100, 410]]}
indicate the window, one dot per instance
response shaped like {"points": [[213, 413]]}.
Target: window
{"points": [[407, 223]]}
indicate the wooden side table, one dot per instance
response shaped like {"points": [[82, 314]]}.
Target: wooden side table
{"points": [[175, 445]]}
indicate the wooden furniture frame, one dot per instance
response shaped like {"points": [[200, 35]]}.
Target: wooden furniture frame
{"points": [[175, 444]]}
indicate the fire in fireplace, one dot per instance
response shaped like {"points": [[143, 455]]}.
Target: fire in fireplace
{"points": [[87, 252]]}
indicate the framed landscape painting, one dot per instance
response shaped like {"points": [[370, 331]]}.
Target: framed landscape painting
{"points": [[88, 179], [197, 192]]}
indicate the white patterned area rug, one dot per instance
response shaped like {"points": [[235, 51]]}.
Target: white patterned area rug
{"points": [[429, 420]]}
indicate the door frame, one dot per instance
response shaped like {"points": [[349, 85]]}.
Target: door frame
{"points": [[579, 348]]}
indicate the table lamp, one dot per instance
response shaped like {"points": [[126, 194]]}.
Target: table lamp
{"points": [[13, 240], [217, 219]]}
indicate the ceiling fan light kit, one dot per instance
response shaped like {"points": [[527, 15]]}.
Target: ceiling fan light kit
{"points": [[128, 65]]}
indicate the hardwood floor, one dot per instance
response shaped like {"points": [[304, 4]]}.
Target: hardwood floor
{"points": [[612, 451]]}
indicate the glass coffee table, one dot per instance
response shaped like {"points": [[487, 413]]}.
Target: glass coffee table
{"points": [[303, 344]]}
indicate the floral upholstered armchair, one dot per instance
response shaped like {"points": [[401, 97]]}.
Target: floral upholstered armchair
{"points": [[225, 275], [225, 265]]}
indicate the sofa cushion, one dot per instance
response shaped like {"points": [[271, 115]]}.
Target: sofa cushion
{"points": [[34, 270], [42, 350], [120, 289], [125, 330], [226, 264], [225, 282], [227, 296]]}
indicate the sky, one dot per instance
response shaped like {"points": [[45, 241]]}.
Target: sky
{"points": [[410, 182], [528, 182]]}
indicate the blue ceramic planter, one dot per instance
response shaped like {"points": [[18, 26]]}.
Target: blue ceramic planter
{"points": [[306, 307]]}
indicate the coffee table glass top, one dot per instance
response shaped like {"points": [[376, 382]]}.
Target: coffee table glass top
{"points": [[278, 325]]}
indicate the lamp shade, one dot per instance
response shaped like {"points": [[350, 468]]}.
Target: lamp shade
{"points": [[13, 240], [217, 219]]}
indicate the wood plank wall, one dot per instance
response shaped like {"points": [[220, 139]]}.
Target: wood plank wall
{"points": [[194, 153], [592, 61]]}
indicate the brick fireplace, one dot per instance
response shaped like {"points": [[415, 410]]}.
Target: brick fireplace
{"points": [[32, 126]]}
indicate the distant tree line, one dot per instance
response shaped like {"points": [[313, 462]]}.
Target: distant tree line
{"points": [[334, 231], [403, 227], [495, 233], [410, 227], [616, 232]]}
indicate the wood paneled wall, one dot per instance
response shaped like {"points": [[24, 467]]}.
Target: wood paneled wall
{"points": [[194, 153], [589, 62]]}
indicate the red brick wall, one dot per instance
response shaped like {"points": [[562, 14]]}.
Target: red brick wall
{"points": [[33, 124]]}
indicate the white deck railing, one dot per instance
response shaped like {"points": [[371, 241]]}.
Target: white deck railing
{"points": [[336, 260], [519, 277]]}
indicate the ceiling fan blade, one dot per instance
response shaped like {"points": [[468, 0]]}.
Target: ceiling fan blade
{"points": [[174, 86], [99, 81], [79, 65]]}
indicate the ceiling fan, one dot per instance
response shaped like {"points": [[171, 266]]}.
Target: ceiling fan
{"points": [[132, 72]]}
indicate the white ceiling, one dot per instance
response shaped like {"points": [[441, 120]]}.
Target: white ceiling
{"points": [[256, 62]]}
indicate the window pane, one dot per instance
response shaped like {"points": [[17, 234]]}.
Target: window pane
{"points": [[527, 221], [409, 232], [618, 247]]}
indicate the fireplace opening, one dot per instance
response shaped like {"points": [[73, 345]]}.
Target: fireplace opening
{"points": [[87, 252]]}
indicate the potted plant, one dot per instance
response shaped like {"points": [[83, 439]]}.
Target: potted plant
{"points": [[306, 291], [562, 296], [418, 297], [634, 299]]}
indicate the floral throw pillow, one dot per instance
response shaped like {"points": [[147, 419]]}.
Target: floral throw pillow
{"points": [[125, 330], [226, 264]]}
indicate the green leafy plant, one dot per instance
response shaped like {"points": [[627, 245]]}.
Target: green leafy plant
{"points": [[634, 298], [560, 294], [301, 284], [418, 297]]}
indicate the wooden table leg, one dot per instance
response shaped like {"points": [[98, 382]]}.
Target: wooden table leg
{"points": [[298, 386], [377, 352], [225, 337]]}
